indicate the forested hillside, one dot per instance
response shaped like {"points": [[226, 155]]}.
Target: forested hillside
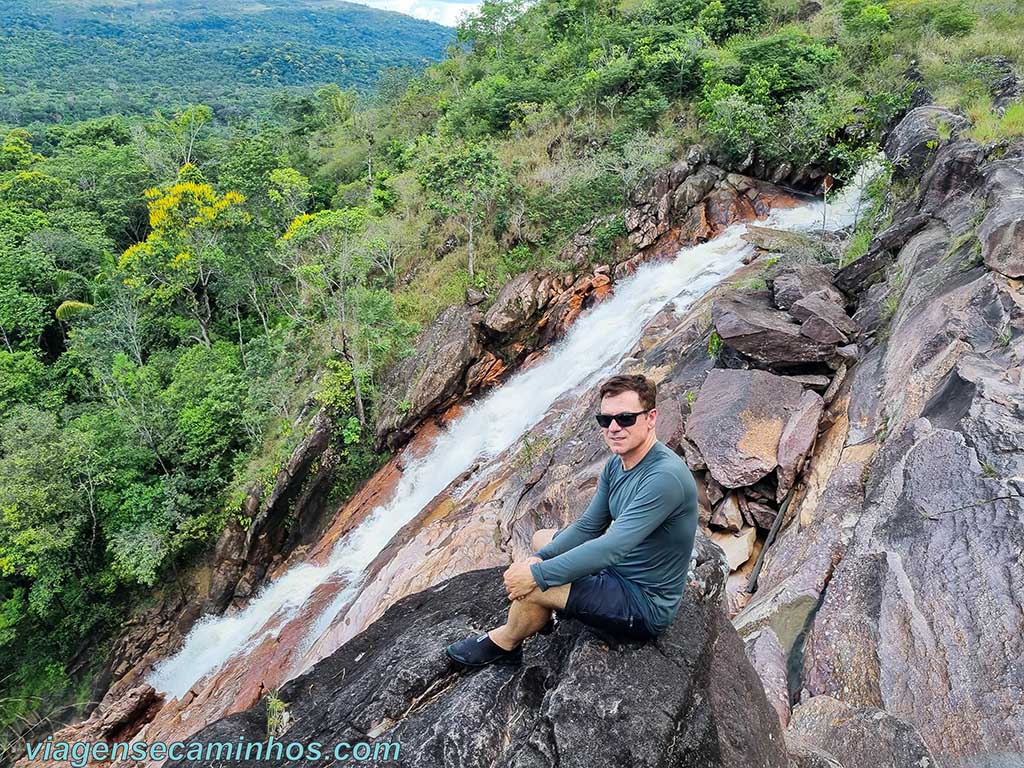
{"points": [[175, 290], [65, 61]]}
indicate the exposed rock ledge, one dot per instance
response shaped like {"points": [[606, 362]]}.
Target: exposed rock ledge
{"points": [[690, 698]]}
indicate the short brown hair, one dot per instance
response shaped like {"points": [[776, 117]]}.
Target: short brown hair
{"points": [[644, 387]]}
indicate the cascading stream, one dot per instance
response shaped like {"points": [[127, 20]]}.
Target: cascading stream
{"points": [[593, 349]]}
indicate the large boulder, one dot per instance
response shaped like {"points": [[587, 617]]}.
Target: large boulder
{"points": [[801, 280], [518, 299], [862, 737], [749, 324], [917, 134], [823, 319], [737, 421], [431, 378], [688, 698]]}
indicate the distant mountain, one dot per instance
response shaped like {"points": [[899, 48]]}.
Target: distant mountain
{"points": [[71, 59]]}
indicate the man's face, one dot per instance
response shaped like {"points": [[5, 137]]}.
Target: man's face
{"points": [[624, 439]]}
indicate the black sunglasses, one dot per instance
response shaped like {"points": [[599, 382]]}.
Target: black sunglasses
{"points": [[622, 419]]}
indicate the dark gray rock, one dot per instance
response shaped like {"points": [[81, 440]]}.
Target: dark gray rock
{"points": [[431, 378], [949, 184], [1002, 229], [795, 283], [804, 755], [808, 9], [917, 135], [819, 311], [1005, 86], [858, 275], [689, 698]]}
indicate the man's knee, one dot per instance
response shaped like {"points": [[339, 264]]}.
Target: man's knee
{"points": [[553, 598], [542, 537]]}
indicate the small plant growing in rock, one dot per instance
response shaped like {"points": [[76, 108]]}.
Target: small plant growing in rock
{"points": [[882, 430], [1004, 337], [988, 470], [530, 449], [405, 406], [714, 345], [278, 717], [750, 284], [691, 398], [889, 307]]}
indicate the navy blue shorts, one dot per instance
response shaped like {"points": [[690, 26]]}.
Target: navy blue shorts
{"points": [[604, 601]]}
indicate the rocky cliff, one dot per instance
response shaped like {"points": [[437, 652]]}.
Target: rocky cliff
{"points": [[897, 582]]}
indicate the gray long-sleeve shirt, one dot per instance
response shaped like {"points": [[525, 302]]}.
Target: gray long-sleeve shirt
{"points": [[641, 523]]}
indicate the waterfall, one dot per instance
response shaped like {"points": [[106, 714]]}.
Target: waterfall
{"points": [[592, 350]]}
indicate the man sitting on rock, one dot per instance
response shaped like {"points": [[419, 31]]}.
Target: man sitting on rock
{"points": [[622, 566]]}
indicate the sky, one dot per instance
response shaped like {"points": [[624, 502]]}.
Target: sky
{"points": [[441, 11]]}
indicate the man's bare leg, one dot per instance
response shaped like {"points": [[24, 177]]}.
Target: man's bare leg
{"points": [[528, 616]]}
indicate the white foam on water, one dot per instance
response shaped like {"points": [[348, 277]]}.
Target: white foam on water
{"points": [[592, 349]]}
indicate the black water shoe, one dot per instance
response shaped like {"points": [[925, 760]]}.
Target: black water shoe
{"points": [[479, 651]]}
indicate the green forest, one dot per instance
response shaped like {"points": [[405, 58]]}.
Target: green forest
{"points": [[175, 287], [62, 61]]}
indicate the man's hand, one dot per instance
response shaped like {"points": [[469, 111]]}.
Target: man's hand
{"points": [[519, 580]]}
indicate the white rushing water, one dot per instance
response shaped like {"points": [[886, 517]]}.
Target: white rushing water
{"points": [[592, 350]]}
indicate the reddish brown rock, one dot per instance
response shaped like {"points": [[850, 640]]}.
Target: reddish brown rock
{"points": [[485, 372], [749, 324], [738, 420]]}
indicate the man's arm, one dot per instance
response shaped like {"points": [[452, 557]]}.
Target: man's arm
{"points": [[591, 524], [648, 509]]}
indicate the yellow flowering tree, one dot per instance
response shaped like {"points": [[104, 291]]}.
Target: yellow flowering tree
{"points": [[181, 259]]}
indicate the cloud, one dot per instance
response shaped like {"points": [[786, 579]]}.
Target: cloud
{"points": [[439, 11]]}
